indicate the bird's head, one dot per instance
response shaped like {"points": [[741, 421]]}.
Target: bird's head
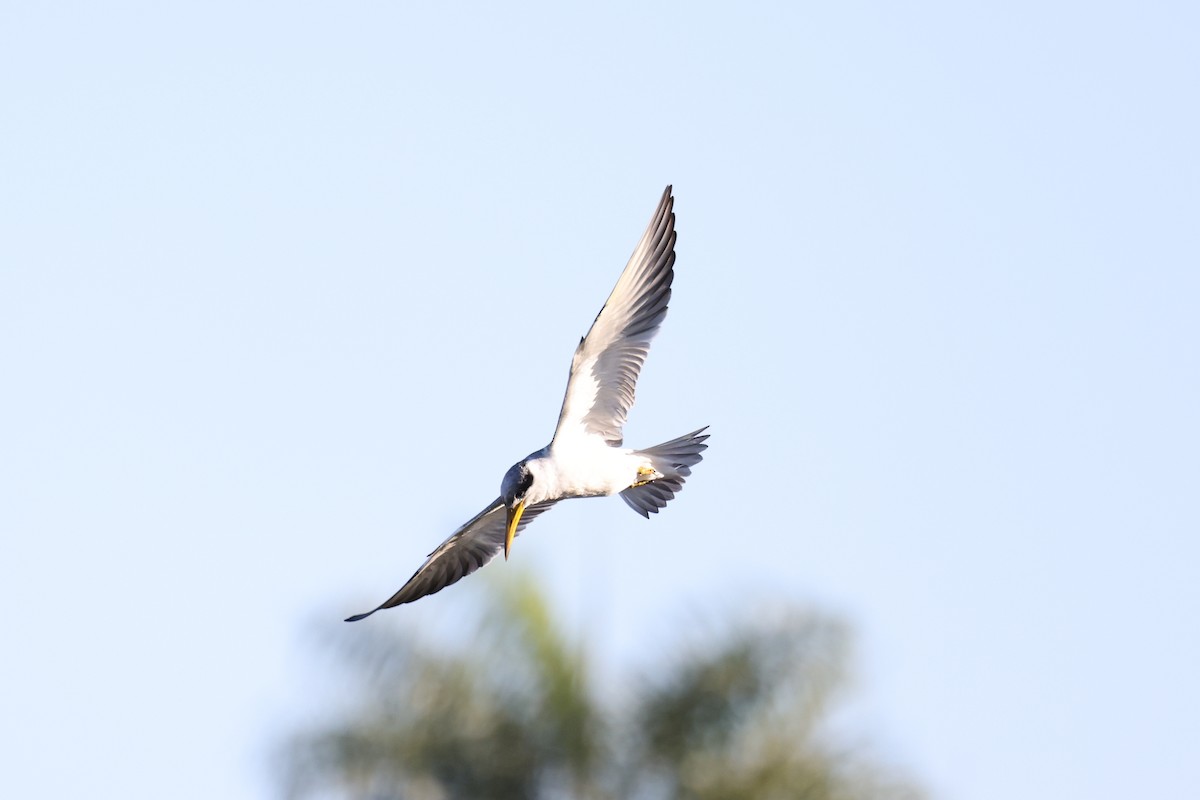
{"points": [[513, 489]]}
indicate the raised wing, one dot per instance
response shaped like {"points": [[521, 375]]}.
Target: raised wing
{"points": [[608, 360], [467, 549]]}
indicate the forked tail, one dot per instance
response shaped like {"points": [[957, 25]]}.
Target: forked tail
{"points": [[673, 462]]}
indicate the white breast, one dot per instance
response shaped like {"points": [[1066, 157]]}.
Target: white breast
{"points": [[582, 467]]}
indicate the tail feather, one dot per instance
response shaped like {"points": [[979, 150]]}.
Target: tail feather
{"points": [[673, 461]]}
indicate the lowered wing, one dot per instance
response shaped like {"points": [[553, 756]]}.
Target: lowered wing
{"points": [[468, 548]]}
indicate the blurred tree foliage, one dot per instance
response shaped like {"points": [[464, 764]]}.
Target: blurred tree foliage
{"points": [[516, 715]]}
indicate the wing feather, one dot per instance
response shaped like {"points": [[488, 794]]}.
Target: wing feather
{"points": [[466, 550], [605, 369]]}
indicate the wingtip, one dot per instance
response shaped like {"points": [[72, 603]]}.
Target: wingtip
{"points": [[364, 615]]}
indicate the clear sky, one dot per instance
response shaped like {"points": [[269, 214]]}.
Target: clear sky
{"points": [[285, 288]]}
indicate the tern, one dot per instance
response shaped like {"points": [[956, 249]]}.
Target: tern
{"points": [[586, 457]]}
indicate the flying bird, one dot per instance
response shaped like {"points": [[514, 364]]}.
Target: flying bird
{"points": [[586, 457]]}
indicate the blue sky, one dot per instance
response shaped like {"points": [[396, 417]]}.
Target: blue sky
{"points": [[285, 288]]}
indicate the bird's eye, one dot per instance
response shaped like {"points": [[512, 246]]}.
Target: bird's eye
{"points": [[525, 482]]}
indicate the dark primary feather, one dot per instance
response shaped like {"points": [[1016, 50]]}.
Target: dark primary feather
{"points": [[468, 548], [605, 369]]}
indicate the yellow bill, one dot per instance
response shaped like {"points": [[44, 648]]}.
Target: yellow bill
{"points": [[514, 518]]}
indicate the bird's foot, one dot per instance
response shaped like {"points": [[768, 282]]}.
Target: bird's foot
{"points": [[646, 474]]}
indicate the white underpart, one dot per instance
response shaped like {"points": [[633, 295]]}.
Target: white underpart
{"points": [[583, 466]]}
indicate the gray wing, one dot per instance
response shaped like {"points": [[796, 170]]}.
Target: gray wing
{"points": [[608, 360], [468, 548]]}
